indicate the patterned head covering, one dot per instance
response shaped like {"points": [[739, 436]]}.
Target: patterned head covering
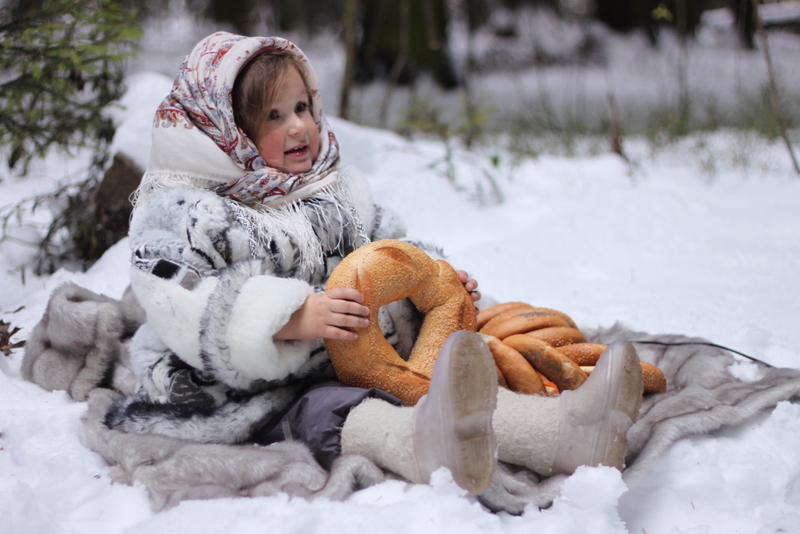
{"points": [[201, 102]]}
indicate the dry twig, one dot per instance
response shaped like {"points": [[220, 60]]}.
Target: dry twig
{"points": [[5, 338]]}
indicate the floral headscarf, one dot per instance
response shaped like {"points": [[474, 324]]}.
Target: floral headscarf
{"points": [[200, 103]]}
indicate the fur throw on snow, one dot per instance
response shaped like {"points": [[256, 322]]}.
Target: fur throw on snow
{"points": [[702, 396], [174, 470], [81, 342], [79, 346]]}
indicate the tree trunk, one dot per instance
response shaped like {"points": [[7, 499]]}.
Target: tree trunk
{"points": [[350, 20]]}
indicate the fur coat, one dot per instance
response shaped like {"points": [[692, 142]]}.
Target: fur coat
{"points": [[216, 287]]}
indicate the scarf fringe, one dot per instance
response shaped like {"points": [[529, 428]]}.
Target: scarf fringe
{"points": [[324, 223]]}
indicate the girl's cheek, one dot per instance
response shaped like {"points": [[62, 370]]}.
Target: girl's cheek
{"points": [[318, 144]]}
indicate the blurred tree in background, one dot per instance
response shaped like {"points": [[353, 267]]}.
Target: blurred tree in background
{"points": [[283, 14], [402, 38], [397, 39], [683, 15], [60, 66]]}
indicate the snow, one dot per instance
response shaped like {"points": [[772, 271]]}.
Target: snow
{"points": [[698, 237]]}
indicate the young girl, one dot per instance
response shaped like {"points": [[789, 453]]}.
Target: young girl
{"points": [[239, 220]]}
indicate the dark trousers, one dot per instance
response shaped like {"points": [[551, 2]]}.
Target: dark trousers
{"points": [[316, 419]]}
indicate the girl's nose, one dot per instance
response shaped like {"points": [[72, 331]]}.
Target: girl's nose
{"points": [[296, 125]]}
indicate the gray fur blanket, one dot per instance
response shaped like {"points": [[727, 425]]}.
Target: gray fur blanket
{"points": [[80, 346]]}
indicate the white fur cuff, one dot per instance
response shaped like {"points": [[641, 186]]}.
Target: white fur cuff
{"points": [[263, 307]]}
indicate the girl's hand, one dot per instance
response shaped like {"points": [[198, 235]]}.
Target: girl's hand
{"points": [[470, 284], [327, 315]]}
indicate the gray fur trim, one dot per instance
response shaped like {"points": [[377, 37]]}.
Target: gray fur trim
{"points": [[181, 401], [230, 422], [387, 225], [214, 351], [400, 322]]}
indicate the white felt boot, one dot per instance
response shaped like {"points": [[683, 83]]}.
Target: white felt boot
{"points": [[595, 418], [586, 426], [384, 433], [526, 429], [449, 427]]}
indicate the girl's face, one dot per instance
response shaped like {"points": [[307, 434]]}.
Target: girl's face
{"points": [[289, 140]]}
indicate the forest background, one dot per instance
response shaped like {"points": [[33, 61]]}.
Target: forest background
{"points": [[517, 77]]}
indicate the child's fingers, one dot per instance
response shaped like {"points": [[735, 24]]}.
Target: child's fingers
{"points": [[347, 300], [469, 283], [348, 320], [340, 326], [346, 307], [345, 293], [332, 332]]}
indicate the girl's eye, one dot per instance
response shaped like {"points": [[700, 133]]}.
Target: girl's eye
{"points": [[273, 115], [301, 107]]}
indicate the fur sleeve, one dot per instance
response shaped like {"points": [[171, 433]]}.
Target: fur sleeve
{"points": [[380, 222], [211, 304]]}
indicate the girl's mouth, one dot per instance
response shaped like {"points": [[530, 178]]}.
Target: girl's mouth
{"points": [[298, 151]]}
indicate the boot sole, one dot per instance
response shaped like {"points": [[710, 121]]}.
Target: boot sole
{"points": [[453, 426], [626, 402]]}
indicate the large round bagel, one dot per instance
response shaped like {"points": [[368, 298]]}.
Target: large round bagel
{"points": [[386, 271]]}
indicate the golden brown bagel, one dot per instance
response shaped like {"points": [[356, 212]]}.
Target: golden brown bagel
{"points": [[558, 336], [528, 321], [653, 378], [562, 371], [518, 373], [496, 314], [583, 353], [561, 314], [383, 272], [485, 315], [501, 379]]}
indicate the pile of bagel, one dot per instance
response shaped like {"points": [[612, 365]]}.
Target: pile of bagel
{"points": [[536, 350], [540, 350]]}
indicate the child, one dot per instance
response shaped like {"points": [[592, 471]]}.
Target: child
{"points": [[239, 220]]}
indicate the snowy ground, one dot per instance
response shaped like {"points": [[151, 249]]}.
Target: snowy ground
{"points": [[699, 238]]}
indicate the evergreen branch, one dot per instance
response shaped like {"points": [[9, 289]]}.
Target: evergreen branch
{"points": [[60, 66]]}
